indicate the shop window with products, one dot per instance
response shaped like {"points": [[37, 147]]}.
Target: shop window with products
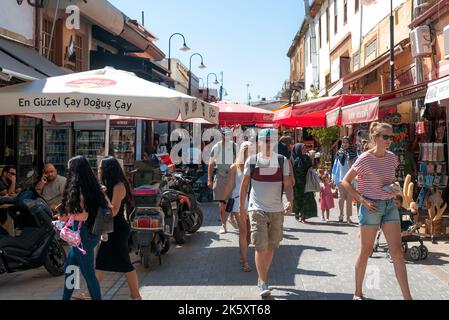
{"points": [[433, 178]]}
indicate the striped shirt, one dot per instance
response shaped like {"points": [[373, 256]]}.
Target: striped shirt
{"points": [[375, 173]]}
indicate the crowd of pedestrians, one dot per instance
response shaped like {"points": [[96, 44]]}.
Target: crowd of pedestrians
{"points": [[258, 183], [361, 177]]}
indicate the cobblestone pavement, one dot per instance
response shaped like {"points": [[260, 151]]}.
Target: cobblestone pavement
{"points": [[315, 261]]}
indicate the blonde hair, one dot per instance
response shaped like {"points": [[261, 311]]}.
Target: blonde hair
{"points": [[376, 128]]}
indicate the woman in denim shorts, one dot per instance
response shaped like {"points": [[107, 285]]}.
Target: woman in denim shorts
{"points": [[376, 172]]}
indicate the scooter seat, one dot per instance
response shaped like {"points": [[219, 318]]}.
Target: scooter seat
{"points": [[27, 240]]}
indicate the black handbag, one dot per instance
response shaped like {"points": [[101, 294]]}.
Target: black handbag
{"points": [[104, 221], [230, 205]]}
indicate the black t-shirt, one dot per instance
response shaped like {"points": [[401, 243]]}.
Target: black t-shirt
{"points": [[4, 185]]}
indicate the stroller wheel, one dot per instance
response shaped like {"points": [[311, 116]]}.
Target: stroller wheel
{"points": [[415, 253], [424, 252]]}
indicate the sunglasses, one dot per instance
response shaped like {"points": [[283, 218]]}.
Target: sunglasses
{"points": [[387, 137], [12, 173]]}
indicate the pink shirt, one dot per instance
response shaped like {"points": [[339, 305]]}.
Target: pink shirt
{"points": [[375, 173]]}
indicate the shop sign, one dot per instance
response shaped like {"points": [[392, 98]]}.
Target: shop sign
{"points": [[332, 117], [438, 90], [123, 123], [366, 111]]}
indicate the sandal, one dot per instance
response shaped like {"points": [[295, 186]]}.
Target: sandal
{"points": [[246, 267], [81, 296]]}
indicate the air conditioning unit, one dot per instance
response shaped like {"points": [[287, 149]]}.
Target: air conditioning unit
{"points": [[446, 42], [421, 41]]}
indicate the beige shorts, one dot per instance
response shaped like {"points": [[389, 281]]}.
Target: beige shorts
{"points": [[266, 229], [220, 187]]}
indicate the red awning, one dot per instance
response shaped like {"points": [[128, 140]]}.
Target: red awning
{"points": [[365, 111], [313, 113], [368, 110], [235, 114]]}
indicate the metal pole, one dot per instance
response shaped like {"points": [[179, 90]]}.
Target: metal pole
{"points": [[391, 47], [107, 135], [207, 89], [189, 92], [221, 87]]}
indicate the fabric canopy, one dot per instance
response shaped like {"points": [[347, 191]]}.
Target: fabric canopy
{"points": [[101, 94], [313, 113], [234, 114]]}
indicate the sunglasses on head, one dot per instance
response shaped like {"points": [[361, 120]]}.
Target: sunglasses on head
{"points": [[387, 137]]}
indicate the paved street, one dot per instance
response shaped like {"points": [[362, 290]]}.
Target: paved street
{"points": [[315, 261]]}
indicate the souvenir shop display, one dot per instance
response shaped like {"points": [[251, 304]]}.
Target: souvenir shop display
{"points": [[398, 147], [433, 176]]}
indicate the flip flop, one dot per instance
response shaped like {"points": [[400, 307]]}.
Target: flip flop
{"points": [[246, 267], [81, 296]]}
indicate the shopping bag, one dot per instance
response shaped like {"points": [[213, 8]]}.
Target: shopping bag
{"points": [[312, 181]]}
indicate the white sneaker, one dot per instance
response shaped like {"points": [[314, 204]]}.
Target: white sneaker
{"points": [[223, 229]]}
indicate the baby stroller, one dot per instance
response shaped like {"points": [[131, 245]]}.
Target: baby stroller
{"points": [[409, 233]]}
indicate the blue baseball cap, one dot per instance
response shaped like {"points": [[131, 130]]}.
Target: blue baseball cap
{"points": [[265, 134]]}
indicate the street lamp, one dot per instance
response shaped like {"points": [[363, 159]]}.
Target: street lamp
{"points": [[216, 82], [184, 48], [201, 66]]}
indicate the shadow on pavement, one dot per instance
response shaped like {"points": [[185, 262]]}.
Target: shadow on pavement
{"points": [[295, 294], [197, 265], [314, 231]]}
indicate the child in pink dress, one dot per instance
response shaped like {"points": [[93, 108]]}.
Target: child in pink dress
{"points": [[326, 197]]}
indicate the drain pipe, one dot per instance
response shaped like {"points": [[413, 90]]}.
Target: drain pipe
{"points": [[53, 30], [313, 43]]}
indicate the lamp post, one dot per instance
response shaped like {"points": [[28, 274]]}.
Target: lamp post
{"points": [[216, 82], [391, 47], [184, 48], [221, 87], [201, 66]]}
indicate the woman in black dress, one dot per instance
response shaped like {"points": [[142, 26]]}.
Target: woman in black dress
{"points": [[113, 254]]}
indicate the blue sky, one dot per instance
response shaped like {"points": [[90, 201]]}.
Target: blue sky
{"points": [[247, 40]]}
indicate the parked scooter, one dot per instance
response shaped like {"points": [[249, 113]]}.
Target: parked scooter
{"points": [[189, 215], [37, 245], [148, 225]]}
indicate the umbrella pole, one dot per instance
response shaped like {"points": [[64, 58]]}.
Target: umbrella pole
{"points": [[107, 135]]}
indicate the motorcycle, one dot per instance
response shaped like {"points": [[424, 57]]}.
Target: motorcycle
{"points": [[37, 245]]}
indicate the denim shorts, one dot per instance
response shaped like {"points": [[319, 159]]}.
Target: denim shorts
{"points": [[386, 212]]}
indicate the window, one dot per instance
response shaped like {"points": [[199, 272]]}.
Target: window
{"points": [[327, 25], [356, 61], [356, 6], [371, 48], [310, 49], [319, 29], [47, 26], [345, 11], [335, 17]]}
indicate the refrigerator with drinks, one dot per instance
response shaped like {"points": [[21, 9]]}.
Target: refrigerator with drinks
{"points": [[90, 144], [123, 142], [27, 146], [57, 146]]}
